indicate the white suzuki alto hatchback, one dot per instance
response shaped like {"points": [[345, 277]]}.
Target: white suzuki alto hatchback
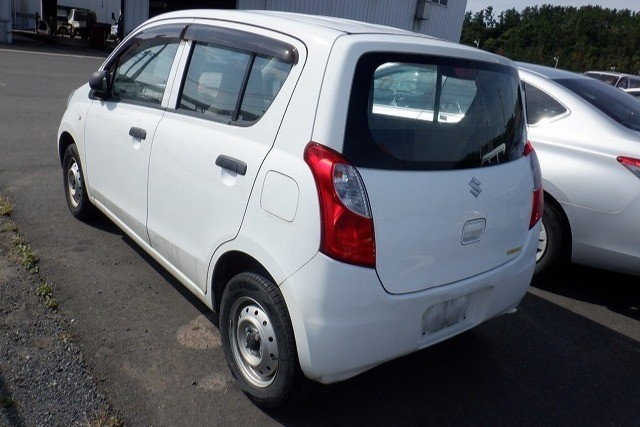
{"points": [[340, 193]]}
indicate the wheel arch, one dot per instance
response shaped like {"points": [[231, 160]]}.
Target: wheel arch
{"points": [[566, 225], [65, 141], [227, 266]]}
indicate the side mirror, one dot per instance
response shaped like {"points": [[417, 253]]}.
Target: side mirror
{"points": [[113, 16], [98, 82]]}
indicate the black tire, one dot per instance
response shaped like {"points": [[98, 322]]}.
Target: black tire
{"points": [[254, 321], [74, 187], [555, 254]]}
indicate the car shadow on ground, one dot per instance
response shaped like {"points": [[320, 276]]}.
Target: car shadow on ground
{"points": [[618, 292], [543, 365], [513, 370]]}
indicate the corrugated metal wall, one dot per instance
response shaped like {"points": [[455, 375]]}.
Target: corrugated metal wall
{"points": [[5, 22], [444, 21], [135, 13]]}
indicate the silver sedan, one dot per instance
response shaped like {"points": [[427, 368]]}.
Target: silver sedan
{"points": [[587, 136]]}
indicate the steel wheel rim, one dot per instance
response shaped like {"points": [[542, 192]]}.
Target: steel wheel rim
{"points": [[74, 183], [542, 243], [253, 342]]}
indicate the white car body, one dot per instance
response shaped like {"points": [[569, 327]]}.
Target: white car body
{"points": [[440, 250], [579, 147]]}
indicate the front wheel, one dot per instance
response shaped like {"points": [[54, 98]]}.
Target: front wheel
{"points": [[553, 242], [74, 185], [258, 341]]}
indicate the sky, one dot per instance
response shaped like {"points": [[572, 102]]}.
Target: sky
{"points": [[500, 5]]}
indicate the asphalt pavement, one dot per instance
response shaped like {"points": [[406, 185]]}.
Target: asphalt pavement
{"points": [[569, 356]]}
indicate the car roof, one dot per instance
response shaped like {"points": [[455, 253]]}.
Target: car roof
{"points": [[549, 72], [276, 19], [612, 73]]}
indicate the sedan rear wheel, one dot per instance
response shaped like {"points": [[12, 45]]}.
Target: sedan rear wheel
{"points": [[553, 242]]}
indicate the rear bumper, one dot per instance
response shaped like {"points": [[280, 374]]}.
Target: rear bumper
{"points": [[345, 323]]}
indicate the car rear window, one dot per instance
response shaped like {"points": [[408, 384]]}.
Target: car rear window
{"points": [[424, 112], [610, 100]]}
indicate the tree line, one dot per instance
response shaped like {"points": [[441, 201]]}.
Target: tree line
{"points": [[579, 39]]}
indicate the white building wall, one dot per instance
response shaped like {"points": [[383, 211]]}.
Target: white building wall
{"points": [[444, 21]]}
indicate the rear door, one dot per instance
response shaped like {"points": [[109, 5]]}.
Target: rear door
{"points": [[208, 149], [439, 145]]}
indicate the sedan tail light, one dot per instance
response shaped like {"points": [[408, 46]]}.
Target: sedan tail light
{"points": [[538, 195], [347, 224], [630, 163]]}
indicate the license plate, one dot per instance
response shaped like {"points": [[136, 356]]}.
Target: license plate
{"points": [[444, 314]]}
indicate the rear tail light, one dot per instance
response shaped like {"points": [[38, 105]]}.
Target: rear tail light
{"points": [[630, 163], [538, 195], [347, 224]]}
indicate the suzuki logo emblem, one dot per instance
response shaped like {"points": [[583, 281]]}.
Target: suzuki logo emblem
{"points": [[475, 187]]}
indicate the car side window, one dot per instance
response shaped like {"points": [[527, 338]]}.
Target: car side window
{"points": [[623, 83], [540, 106], [230, 85], [140, 73], [213, 81]]}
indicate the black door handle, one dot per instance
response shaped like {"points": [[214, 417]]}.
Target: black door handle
{"points": [[138, 133], [235, 165]]}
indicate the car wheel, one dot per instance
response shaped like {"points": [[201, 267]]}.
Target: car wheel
{"points": [[553, 242], [74, 187], [258, 341]]}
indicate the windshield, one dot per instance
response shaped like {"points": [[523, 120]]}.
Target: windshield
{"points": [[612, 101]]}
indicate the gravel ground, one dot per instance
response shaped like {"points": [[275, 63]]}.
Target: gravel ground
{"points": [[43, 378]]}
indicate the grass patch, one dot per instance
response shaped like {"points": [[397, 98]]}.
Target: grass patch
{"points": [[51, 303], [66, 337], [105, 420], [6, 208], [26, 256], [46, 291], [8, 226], [6, 401]]}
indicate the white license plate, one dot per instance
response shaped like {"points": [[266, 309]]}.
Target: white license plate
{"points": [[444, 314]]}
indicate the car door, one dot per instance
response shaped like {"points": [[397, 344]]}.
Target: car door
{"points": [[120, 128], [208, 149]]}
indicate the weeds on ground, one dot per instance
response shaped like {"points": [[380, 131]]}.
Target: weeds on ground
{"points": [[66, 337], [8, 226], [105, 420], [6, 208], [26, 256], [46, 291], [6, 401]]}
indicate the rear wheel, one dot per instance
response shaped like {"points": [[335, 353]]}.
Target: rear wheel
{"points": [[258, 341], [74, 187], [553, 242]]}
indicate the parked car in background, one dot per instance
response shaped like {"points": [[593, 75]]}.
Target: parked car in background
{"points": [[635, 92], [333, 225], [587, 135], [619, 80]]}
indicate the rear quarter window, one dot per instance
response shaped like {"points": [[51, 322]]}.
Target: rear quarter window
{"points": [[541, 107], [424, 112]]}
